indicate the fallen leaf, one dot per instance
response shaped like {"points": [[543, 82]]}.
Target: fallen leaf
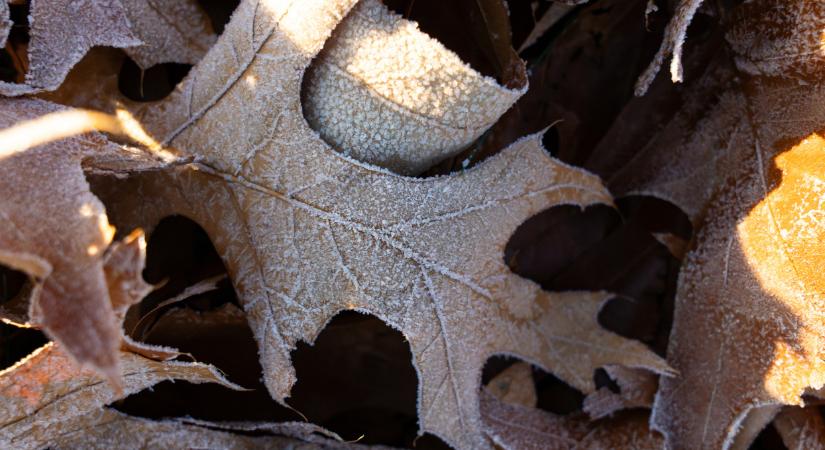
{"points": [[172, 31], [518, 427], [62, 31], [385, 93], [61, 242], [47, 391], [748, 326], [306, 233], [801, 428], [111, 429]]}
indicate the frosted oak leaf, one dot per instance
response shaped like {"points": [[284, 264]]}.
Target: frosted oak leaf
{"points": [[109, 428], [385, 93], [62, 31], [47, 394], [61, 243], [176, 31], [306, 232], [748, 323], [517, 427]]}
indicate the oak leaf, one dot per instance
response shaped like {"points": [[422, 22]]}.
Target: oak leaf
{"points": [[62, 31], [61, 244], [518, 427], [46, 393], [172, 31], [108, 428], [306, 232], [744, 160], [385, 93]]}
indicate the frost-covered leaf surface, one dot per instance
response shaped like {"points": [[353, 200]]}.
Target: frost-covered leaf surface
{"points": [[748, 326], [62, 31], [306, 232], [385, 93], [516, 427], [54, 230], [108, 429], [171, 31], [514, 385], [47, 395]]}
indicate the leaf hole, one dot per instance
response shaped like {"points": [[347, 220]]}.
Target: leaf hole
{"points": [[16, 289], [768, 439], [16, 342], [552, 394], [547, 245], [222, 338], [14, 59], [602, 379], [179, 254], [358, 379], [556, 396], [152, 84], [12, 283], [219, 12]]}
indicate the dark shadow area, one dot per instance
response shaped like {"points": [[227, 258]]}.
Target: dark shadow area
{"points": [[16, 342], [220, 337], [768, 439], [358, 380], [179, 254], [12, 282], [219, 12], [152, 84], [554, 395], [599, 248], [13, 57], [210, 327]]}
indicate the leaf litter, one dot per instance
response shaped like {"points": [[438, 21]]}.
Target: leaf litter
{"points": [[314, 217]]}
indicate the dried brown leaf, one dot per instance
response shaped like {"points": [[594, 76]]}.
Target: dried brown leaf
{"points": [[518, 427], [748, 326], [47, 392], [60, 242], [171, 30], [62, 31], [108, 429], [385, 93], [306, 232]]}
